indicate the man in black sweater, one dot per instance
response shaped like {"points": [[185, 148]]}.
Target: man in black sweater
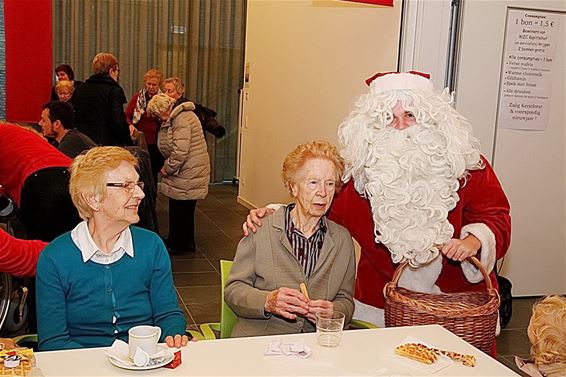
{"points": [[57, 121]]}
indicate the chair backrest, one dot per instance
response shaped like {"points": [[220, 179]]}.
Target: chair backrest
{"points": [[227, 316]]}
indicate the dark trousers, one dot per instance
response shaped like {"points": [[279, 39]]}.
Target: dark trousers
{"points": [[157, 161], [182, 224]]}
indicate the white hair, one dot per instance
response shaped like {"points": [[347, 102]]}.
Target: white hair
{"points": [[410, 176], [373, 113]]}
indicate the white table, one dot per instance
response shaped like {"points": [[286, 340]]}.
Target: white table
{"points": [[361, 353]]}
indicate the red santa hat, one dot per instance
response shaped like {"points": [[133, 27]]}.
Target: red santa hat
{"points": [[412, 80]]}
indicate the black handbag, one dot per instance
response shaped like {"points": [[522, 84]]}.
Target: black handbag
{"points": [[506, 305]]}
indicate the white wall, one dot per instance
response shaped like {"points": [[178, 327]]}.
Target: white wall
{"points": [[530, 164], [307, 62]]}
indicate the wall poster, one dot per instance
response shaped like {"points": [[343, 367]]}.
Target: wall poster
{"points": [[531, 38]]}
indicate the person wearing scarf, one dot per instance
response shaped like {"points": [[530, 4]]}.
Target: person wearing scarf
{"points": [[139, 119]]}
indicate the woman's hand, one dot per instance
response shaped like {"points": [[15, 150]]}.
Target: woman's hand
{"points": [[459, 250], [163, 171], [254, 218], [177, 341], [286, 302], [326, 308]]}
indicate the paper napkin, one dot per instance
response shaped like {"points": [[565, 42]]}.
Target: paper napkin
{"points": [[278, 348]]}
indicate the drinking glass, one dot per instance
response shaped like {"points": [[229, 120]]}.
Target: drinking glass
{"points": [[329, 329]]}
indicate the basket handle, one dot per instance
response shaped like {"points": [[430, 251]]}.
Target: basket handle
{"points": [[472, 260]]}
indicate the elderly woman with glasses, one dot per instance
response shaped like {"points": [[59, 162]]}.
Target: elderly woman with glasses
{"points": [[105, 276], [297, 244]]}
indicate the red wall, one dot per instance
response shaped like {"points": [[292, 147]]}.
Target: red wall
{"points": [[28, 58]]}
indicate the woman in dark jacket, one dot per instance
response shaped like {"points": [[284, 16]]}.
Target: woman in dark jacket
{"points": [[99, 104]]}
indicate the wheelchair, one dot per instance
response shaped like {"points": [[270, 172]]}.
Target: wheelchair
{"points": [[14, 291]]}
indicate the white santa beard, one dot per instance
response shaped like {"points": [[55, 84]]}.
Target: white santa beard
{"points": [[411, 187]]}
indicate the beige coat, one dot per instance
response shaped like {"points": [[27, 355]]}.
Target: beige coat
{"points": [[181, 141], [264, 262]]}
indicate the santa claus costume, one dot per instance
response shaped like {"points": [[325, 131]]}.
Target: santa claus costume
{"points": [[410, 192]]}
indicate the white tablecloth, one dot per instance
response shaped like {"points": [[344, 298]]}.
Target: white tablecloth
{"points": [[361, 353]]}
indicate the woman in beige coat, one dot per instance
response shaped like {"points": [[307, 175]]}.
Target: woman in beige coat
{"points": [[297, 244], [186, 171]]}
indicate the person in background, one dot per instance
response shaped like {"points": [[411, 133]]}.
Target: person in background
{"points": [[174, 88], [57, 121], [547, 334], [186, 171], [64, 90], [64, 72], [99, 104], [106, 275], [34, 175], [297, 244], [139, 119]]}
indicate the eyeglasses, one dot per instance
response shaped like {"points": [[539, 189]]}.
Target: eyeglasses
{"points": [[128, 186]]}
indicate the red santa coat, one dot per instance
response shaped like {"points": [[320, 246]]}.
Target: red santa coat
{"points": [[482, 200]]}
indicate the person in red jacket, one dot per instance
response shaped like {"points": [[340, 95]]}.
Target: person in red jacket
{"points": [[418, 190], [34, 175], [19, 257]]}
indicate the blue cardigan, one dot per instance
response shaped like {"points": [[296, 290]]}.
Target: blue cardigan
{"points": [[81, 305]]}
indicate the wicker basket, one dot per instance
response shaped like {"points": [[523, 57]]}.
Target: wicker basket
{"points": [[470, 315]]}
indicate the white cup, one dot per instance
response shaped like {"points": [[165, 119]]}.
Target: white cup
{"points": [[144, 337], [329, 329]]}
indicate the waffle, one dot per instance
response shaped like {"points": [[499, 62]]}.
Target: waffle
{"points": [[418, 352], [467, 360], [21, 370], [26, 362], [428, 355]]}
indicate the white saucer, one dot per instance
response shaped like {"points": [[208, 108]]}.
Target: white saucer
{"points": [[120, 358], [120, 364]]}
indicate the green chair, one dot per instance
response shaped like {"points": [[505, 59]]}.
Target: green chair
{"points": [[227, 316], [359, 324], [27, 340], [194, 334]]}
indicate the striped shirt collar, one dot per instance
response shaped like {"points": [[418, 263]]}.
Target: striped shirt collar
{"points": [[305, 250]]}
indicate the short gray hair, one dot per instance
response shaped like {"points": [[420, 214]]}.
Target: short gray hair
{"points": [[177, 83]]}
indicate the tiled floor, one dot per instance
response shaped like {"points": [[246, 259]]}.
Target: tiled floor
{"points": [[197, 275], [218, 228]]}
